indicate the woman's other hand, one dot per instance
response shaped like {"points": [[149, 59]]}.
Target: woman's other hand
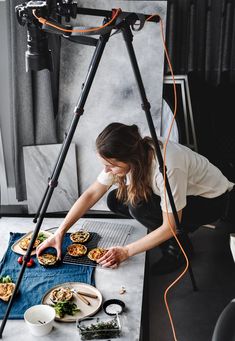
{"points": [[54, 241], [114, 256]]}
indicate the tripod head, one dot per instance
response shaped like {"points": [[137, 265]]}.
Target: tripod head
{"points": [[38, 56]]}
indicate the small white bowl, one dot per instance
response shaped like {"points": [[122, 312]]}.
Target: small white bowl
{"points": [[39, 319]]}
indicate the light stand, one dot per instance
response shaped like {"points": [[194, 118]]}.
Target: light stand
{"points": [[78, 111]]}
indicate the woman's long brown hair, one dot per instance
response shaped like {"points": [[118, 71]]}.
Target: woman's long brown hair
{"points": [[124, 143]]}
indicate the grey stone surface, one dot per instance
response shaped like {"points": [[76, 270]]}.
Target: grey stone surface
{"points": [[39, 162], [114, 94], [130, 274]]}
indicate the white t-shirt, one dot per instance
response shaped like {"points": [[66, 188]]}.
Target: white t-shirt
{"points": [[188, 173]]}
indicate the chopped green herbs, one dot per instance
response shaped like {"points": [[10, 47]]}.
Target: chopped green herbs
{"points": [[41, 236], [65, 307], [100, 330], [5, 279]]}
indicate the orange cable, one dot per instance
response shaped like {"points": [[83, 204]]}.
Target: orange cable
{"points": [[45, 22], [164, 164]]}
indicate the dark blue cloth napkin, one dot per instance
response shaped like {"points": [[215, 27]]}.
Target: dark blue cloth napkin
{"points": [[38, 279]]}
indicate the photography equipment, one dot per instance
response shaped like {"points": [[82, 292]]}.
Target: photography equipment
{"points": [[38, 57]]}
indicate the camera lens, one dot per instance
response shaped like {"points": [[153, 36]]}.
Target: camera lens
{"points": [[38, 56]]}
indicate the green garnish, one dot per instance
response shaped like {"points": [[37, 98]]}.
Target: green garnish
{"points": [[65, 307], [5, 279], [100, 330], [41, 236]]}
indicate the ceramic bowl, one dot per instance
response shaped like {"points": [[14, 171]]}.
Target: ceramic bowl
{"points": [[39, 319]]}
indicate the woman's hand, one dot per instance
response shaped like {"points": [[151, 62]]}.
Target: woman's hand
{"points": [[114, 256], [54, 241]]}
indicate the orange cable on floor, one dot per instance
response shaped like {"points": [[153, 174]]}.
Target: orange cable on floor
{"points": [[164, 172]]}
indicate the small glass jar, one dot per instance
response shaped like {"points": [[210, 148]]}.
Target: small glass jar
{"points": [[99, 328]]}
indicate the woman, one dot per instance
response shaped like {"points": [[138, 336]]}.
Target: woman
{"points": [[201, 194]]}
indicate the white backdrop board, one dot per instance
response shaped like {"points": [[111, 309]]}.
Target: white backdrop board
{"points": [[114, 94]]}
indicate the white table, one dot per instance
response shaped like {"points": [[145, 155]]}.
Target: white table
{"points": [[130, 275]]}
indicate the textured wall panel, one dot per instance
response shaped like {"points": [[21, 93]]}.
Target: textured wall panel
{"points": [[114, 95], [39, 163]]}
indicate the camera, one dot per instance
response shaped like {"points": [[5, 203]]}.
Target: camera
{"points": [[38, 56]]}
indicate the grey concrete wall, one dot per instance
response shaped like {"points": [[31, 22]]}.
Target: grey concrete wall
{"points": [[114, 95]]}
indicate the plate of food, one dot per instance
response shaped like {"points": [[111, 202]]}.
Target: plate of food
{"points": [[22, 244], [96, 253], [76, 250], [80, 236], [47, 259], [73, 300]]}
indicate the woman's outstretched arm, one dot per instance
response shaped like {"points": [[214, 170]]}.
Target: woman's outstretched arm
{"points": [[118, 254], [80, 207]]}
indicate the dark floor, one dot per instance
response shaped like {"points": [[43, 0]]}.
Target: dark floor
{"points": [[194, 313]]}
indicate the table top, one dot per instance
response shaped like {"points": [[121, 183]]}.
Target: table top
{"points": [[130, 275]]}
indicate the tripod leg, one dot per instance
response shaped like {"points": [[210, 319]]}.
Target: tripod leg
{"points": [[59, 164], [45, 193], [128, 37]]}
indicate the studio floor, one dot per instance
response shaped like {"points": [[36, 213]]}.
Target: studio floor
{"points": [[194, 313]]}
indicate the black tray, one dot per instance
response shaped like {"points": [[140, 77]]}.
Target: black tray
{"points": [[84, 260]]}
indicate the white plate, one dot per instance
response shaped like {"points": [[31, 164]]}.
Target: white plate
{"points": [[16, 247], [85, 310]]}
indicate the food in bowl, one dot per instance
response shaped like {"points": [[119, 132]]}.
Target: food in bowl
{"points": [[47, 259], [80, 236], [6, 291], [96, 253], [61, 294], [77, 250]]}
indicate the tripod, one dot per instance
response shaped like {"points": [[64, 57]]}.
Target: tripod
{"points": [[124, 26]]}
